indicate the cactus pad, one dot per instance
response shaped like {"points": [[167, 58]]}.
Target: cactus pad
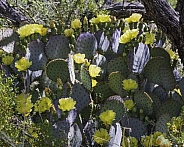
{"points": [[137, 127], [157, 70], [118, 64], [171, 107], [81, 96], [57, 69], [161, 124], [160, 93], [86, 44], [115, 83], [115, 104], [57, 47], [143, 101], [160, 52], [85, 78], [101, 92], [35, 53]]}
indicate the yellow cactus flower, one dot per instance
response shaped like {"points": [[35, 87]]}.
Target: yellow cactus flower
{"points": [[129, 84], [107, 117], [7, 60], [135, 17], [76, 24], [94, 82], [129, 104], [24, 104], [95, 20], [101, 136], [29, 29], [128, 36], [94, 70], [68, 32], [172, 54], [42, 105], [79, 58], [150, 37], [104, 18], [66, 104], [23, 64]]}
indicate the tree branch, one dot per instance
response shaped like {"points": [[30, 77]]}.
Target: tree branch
{"points": [[10, 13]]}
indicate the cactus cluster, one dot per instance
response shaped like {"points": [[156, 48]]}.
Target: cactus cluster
{"points": [[99, 72]]}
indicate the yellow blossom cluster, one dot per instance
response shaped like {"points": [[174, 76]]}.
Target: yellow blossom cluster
{"points": [[42, 105], [68, 32], [23, 64], [135, 17], [76, 24], [66, 104], [107, 117], [101, 136], [100, 18], [24, 104], [7, 60], [128, 36], [29, 29], [150, 37], [129, 84]]}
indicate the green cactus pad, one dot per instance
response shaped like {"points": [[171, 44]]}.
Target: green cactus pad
{"points": [[137, 127], [178, 98], [171, 107], [35, 53], [156, 102], [101, 92], [115, 104], [115, 83], [160, 52], [86, 44], [161, 124], [157, 70], [57, 69], [160, 93], [143, 101], [118, 64], [168, 79], [57, 47], [85, 78], [8, 39], [81, 96]]}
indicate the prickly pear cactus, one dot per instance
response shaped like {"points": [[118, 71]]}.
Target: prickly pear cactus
{"points": [[143, 101], [35, 53], [160, 52], [114, 103], [118, 64], [57, 47], [101, 92], [160, 93], [85, 78], [161, 124], [115, 83], [156, 102], [86, 44], [157, 70], [57, 70], [137, 127], [81, 96], [8, 39], [170, 107]]}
